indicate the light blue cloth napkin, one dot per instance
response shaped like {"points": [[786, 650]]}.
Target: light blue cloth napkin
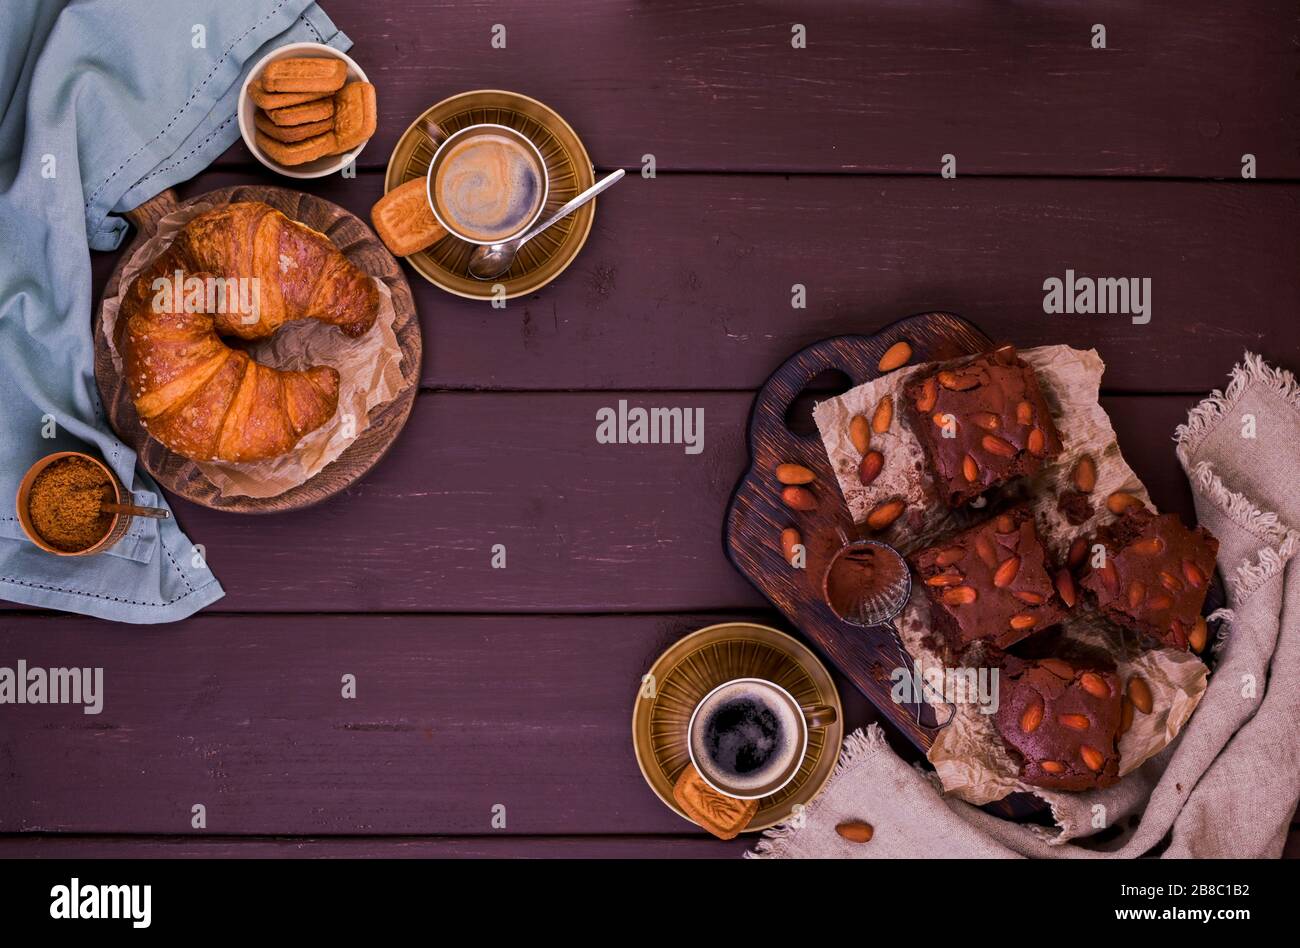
{"points": [[106, 103]]}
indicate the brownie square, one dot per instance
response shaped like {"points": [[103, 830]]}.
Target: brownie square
{"points": [[981, 423], [991, 583], [1156, 574], [1061, 723]]}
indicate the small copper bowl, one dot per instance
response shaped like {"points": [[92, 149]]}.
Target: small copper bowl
{"points": [[117, 526]]}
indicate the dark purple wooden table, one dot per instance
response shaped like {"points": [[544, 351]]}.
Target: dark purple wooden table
{"points": [[775, 166]]}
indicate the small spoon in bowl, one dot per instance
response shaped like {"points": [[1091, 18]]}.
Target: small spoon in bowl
{"points": [[492, 260]]}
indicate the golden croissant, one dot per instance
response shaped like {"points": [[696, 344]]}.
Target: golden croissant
{"points": [[244, 270]]}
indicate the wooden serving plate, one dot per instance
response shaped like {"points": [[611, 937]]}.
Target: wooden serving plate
{"points": [[359, 244], [757, 516]]}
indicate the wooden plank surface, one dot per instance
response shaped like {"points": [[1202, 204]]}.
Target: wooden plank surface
{"points": [[686, 280], [1182, 88], [453, 715], [587, 527]]}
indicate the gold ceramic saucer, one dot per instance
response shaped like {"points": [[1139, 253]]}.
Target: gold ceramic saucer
{"points": [[692, 667], [544, 257]]}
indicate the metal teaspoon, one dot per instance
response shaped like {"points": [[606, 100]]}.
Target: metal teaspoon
{"points": [[492, 260]]}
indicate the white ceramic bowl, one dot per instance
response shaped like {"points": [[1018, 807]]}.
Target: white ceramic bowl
{"points": [[311, 169]]}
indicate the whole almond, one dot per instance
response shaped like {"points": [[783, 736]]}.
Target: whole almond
{"points": [[1031, 717], [884, 514], [1025, 414], [1057, 667], [1159, 602], [856, 831], [1171, 582], [1125, 715], [950, 555], [1075, 722], [1005, 574], [1065, 588], [1148, 546], [1022, 620], [1085, 474], [1092, 757], [1199, 634], [1037, 442], [1078, 550], [799, 498], [997, 446], [1024, 595], [957, 381], [1120, 501], [870, 467], [970, 469], [928, 395], [789, 540], [883, 415], [860, 433], [953, 578], [1052, 766], [1109, 577], [1005, 523], [960, 595], [986, 420], [942, 419], [1136, 591], [1194, 574], [896, 355], [1139, 692], [986, 552], [1094, 684], [794, 474]]}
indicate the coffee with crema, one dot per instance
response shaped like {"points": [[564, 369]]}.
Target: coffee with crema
{"points": [[746, 736], [487, 186]]}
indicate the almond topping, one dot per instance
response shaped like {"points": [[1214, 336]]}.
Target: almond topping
{"points": [[884, 514], [1150, 546], [1005, 523], [1120, 501], [953, 578], [883, 415], [1085, 474], [1125, 715], [1005, 574], [985, 419], [1078, 550], [1171, 582], [896, 355], [958, 381], [1094, 684], [1032, 598], [985, 550], [1025, 414], [1197, 637], [1092, 757], [1139, 692], [1137, 590], [928, 395], [794, 474], [860, 433], [1065, 588], [1159, 601], [970, 469], [1075, 722], [995, 445], [960, 595], [1052, 766], [1023, 620], [950, 555], [1195, 575], [870, 467], [1031, 717], [942, 418], [1037, 442], [1109, 577]]}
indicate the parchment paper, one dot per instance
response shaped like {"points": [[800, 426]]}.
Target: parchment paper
{"points": [[969, 757], [369, 375]]}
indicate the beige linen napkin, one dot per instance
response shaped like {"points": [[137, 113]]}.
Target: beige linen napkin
{"points": [[1227, 787]]}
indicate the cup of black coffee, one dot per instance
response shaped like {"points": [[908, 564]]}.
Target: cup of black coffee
{"points": [[748, 737]]}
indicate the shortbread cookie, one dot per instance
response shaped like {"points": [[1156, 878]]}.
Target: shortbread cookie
{"points": [[296, 153], [278, 100], [721, 815], [290, 133], [404, 221], [355, 115], [321, 76], [316, 111]]}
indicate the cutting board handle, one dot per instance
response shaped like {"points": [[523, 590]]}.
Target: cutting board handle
{"points": [[839, 353], [147, 215]]}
